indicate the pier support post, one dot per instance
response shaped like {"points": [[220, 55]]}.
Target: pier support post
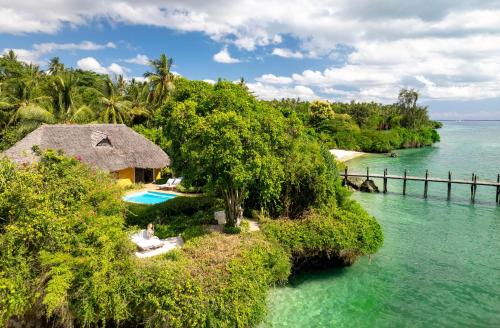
{"points": [[426, 183], [345, 176], [404, 183], [449, 185], [498, 189], [367, 173], [474, 188], [385, 181]]}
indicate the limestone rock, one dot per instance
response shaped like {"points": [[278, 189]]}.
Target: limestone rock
{"points": [[369, 186]]}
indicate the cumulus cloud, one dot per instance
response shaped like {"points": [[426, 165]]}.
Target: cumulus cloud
{"points": [[91, 64], [40, 49], [447, 49], [269, 92], [224, 57], [139, 60], [273, 79], [287, 53]]}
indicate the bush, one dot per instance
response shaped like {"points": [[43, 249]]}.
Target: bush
{"points": [[172, 210], [327, 235], [231, 230], [216, 281], [65, 256]]}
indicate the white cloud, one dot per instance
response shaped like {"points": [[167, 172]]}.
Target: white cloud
{"points": [[91, 64], [287, 53], [454, 45], [224, 57], [209, 81], [40, 49], [269, 92], [273, 79], [139, 60]]}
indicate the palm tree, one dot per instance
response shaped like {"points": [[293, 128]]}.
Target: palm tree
{"points": [[62, 90], [55, 66], [11, 55], [160, 80], [24, 101], [137, 94], [116, 109], [121, 84]]}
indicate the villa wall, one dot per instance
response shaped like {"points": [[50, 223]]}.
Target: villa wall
{"points": [[157, 173], [126, 177]]}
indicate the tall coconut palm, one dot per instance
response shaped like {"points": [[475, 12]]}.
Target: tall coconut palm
{"points": [[24, 101], [121, 84], [62, 90], [137, 94], [161, 79], [55, 66], [116, 108]]}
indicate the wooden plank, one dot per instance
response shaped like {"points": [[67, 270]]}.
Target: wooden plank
{"points": [[404, 183], [472, 188], [426, 183], [385, 181], [449, 185], [498, 189]]}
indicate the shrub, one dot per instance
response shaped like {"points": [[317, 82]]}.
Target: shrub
{"points": [[231, 230], [64, 256], [329, 234], [166, 212]]}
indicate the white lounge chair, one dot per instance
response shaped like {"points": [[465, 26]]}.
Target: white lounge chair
{"points": [[169, 244], [167, 184], [144, 243], [174, 184]]}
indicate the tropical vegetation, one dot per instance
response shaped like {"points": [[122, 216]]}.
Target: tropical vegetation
{"points": [[66, 259]]}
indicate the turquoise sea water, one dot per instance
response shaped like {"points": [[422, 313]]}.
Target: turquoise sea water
{"points": [[440, 263], [148, 197]]}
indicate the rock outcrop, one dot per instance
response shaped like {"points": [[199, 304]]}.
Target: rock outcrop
{"points": [[369, 186]]}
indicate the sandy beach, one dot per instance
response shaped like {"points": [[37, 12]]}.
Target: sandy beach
{"points": [[345, 155]]}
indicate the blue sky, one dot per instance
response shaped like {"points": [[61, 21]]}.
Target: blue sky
{"points": [[330, 49]]}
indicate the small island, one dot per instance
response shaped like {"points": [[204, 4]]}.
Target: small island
{"points": [[67, 257]]}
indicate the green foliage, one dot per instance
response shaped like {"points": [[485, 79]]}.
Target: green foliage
{"points": [[231, 230], [338, 234], [62, 236]]}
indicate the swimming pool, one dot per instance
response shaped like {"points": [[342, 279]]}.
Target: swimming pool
{"points": [[148, 197]]}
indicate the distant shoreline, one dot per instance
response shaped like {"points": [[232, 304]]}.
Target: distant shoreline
{"points": [[342, 155], [467, 120]]}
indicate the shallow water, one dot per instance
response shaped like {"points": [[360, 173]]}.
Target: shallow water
{"points": [[440, 263]]}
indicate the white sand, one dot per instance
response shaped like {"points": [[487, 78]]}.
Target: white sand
{"points": [[345, 155]]}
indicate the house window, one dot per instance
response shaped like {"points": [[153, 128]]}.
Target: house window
{"points": [[100, 139], [104, 143]]}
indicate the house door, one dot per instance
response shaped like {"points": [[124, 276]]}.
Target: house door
{"points": [[143, 175]]}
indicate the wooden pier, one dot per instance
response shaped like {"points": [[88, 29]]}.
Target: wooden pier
{"points": [[473, 183]]}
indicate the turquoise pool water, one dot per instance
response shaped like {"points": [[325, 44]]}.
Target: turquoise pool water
{"points": [[148, 197], [440, 262]]}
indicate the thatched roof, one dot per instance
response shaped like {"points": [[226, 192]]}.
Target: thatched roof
{"points": [[110, 147]]}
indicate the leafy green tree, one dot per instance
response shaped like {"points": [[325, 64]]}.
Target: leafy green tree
{"points": [[413, 116]]}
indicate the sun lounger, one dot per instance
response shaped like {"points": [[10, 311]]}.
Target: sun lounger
{"points": [[167, 184], [174, 184], [169, 244], [144, 243]]}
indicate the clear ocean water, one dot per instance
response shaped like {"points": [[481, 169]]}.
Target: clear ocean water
{"points": [[148, 197], [440, 263]]}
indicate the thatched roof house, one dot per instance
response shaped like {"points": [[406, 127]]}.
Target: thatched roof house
{"points": [[111, 147]]}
